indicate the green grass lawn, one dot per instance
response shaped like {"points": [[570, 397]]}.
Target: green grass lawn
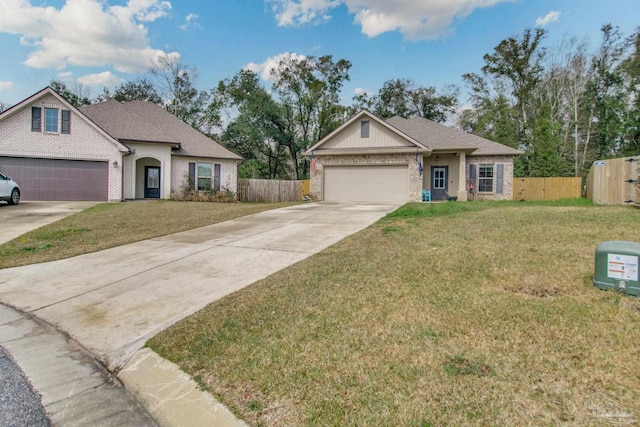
{"points": [[440, 314], [113, 224]]}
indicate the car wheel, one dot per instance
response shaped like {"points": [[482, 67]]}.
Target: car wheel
{"points": [[15, 197]]}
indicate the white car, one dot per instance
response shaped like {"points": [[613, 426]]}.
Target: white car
{"points": [[9, 190]]}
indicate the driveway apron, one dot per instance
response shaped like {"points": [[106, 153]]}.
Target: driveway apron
{"points": [[113, 301]]}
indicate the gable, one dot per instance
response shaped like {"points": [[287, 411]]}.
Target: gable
{"points": [[377, 137], [74, 137], [380, 136]]}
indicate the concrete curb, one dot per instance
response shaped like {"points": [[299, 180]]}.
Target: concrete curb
{"points": [[171, 396], [76, 390]]}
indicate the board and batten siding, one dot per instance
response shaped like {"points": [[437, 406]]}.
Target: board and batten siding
{"points": [[379, 137]]}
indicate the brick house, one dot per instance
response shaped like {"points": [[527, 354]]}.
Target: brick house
{"points": [[107, 151], [369, 159]]}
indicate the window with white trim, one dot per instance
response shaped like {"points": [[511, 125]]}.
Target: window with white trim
{"points": [[51, 120], [485, 178], [204, 176]]}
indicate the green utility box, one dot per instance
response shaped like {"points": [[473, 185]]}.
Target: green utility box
{"points": [[617, 266]]}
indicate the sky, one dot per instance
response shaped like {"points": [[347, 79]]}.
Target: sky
{"points": [[98, 43]]}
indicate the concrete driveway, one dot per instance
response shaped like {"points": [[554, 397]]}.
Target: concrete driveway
{"points": [[113, 301], [27, 216]]}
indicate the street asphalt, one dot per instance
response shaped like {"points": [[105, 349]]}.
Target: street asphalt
{"points": [[20, 405]]}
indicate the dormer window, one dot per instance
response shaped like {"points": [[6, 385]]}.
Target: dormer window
{"points": [[364, 129]]}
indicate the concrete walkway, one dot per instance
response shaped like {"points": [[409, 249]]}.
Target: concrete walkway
{"points": [[113, 301]]}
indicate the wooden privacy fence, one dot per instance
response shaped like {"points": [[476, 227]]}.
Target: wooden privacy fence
{"points": [[271, 190], [555, 188], [614, 181]]}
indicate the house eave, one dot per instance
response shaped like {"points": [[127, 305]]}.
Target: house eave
{"points": [[175, 145], [194, 156], [356, 151], [458, 150]]}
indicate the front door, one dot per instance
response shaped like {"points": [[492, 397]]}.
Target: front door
{"points": [[439, 176], [151, 182]]}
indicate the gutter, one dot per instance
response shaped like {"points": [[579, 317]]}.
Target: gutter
{"points": [[356, 151], [124, 154]]}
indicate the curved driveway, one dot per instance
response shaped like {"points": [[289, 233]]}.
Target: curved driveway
{"points": [[113, 301]]}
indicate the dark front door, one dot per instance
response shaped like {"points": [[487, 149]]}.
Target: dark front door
{"points": [[439, 177], [151, 182]]}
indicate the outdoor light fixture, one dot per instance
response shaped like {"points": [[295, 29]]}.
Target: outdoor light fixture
{"points": [[437, 158], [115, 163]]}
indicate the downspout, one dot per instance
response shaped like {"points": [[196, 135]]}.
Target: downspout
{"points": [[127, 153]]}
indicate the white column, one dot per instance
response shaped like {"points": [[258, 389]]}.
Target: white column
{"points": [[462, 177]]}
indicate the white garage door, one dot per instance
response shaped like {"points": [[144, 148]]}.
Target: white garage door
{"points": [[378, 183]]}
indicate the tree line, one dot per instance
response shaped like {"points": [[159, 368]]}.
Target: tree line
{"points": [[564, 107]]}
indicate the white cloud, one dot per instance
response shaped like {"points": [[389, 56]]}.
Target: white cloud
{"points": [[264, 69], [65, 75], [106, 78], [6, 85], [552, 16], [297, 12], [415, 19], [360, 91], [191, 21], [86, 33]]}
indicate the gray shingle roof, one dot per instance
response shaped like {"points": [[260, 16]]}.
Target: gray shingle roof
{"points": [[146, 122], [440, 137]]}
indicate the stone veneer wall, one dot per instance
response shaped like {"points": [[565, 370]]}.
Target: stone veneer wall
{"points": [[415, 180], [507, 182]]}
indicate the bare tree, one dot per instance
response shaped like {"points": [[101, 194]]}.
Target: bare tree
{"points": [[175, 83]]}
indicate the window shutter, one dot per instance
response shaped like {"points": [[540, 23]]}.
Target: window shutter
{"points": [[66, 121], [499, 179], [472, 175], [216, 177], [36, 118], [192, 176]]}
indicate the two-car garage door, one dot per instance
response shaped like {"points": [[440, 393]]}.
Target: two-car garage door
{"points": [[55, 179], [367, 183]]}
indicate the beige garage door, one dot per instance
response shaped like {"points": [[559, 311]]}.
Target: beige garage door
{"points": [[379, 183]]}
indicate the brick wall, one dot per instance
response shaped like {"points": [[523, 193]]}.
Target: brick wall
{"points": [[180, 172], [84, 142], [507, 178]]}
